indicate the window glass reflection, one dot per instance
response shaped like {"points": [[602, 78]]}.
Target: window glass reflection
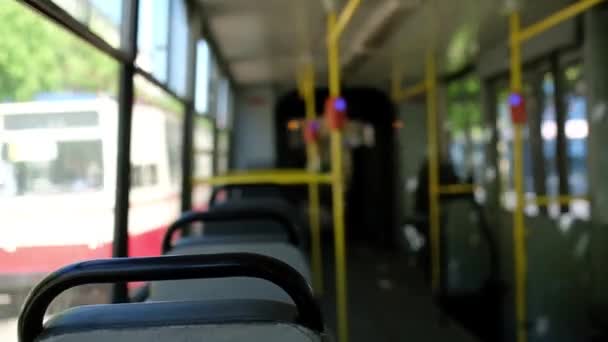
{"points": [[103, 17]]}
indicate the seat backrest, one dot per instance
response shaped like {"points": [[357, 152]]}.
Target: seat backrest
{"points": [[248, 227], [242, 214], [174, 321], [245, 191], [231, 288]]}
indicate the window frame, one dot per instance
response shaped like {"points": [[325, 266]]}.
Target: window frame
{"points": [[125, 56]]}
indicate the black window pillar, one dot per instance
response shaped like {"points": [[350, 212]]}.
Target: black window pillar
{"points": [[561, 145], [188, 128], [126, 93]]}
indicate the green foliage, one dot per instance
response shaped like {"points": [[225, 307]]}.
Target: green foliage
{"points": [[37, 56], [464, 108]]}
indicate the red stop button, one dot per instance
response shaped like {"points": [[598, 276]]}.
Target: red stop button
{"points": [[311, 131], [518, 108], [335, 113]]}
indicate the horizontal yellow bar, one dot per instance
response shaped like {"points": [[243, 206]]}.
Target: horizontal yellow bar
{"points": [[455, 189], [410, 92], [556, 19], [266, 171], [345, 16], [266, 178], [547, 200]]}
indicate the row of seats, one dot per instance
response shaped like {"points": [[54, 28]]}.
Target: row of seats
{"points": [[243, 276]]}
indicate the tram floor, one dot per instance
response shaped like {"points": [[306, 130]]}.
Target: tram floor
{"points": [[388, 299]]}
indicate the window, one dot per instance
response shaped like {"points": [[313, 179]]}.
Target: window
{"points": [[163, 41], [224, 104], [465, 128], [178, 47], [223, 151], [215, 81], [577, 133], [577, 129], [153, 37], [103, 17], [201, 98], [506, 133], [203, 160], [548, 132], [156, 167], [58, 129]]}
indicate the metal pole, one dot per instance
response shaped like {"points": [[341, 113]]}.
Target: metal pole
{"points": [[433, 170], [519, 234], [556, 18], [120, 246], [337, 182], [312, 152]]}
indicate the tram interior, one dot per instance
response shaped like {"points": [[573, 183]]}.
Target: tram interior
{"points": [[303, 170]]}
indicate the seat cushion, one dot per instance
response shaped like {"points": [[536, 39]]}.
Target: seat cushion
{"points": [[213, 321], [231, 288], [206, 240]]}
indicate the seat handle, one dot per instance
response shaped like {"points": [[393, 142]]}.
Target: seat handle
{"points": [[174, 267], [227, 215]]}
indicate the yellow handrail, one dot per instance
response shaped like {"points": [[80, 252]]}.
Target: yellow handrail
{"points": [[547, 200], [409, 92], [335, 27], [291, 178], [433, 170], [517, 36], [555, 19], [307, 91], [519, 234], [336, 30], [455, 189]]}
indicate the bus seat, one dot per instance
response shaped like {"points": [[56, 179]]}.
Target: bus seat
{"points": [[244, 220], [258, 227], [180, 321], [244, 191], [217, 321], [231, 288]]}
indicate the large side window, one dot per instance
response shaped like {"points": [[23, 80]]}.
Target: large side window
{"points": [[103, 17], [58, 128], [465, 128], [178, 47], [506, 132], [577, 132], [541, 170], [223, 121], [204, 127], [223, 151], [153, 37], [201, 97], [203, 160], [155, 167]]}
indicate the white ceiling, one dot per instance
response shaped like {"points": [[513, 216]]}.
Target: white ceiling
{"points": [[265, 41]]}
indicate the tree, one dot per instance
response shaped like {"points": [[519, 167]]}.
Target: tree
{"points": [[37, 56], [464, 109]]}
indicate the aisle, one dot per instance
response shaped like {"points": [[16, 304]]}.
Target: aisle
{"points": [[388, 300]]}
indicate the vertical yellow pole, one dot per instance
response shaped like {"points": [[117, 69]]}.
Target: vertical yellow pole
{"points": [[312, 152], [338, 188], [433, 171], [519, 234], [396, 80]]}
